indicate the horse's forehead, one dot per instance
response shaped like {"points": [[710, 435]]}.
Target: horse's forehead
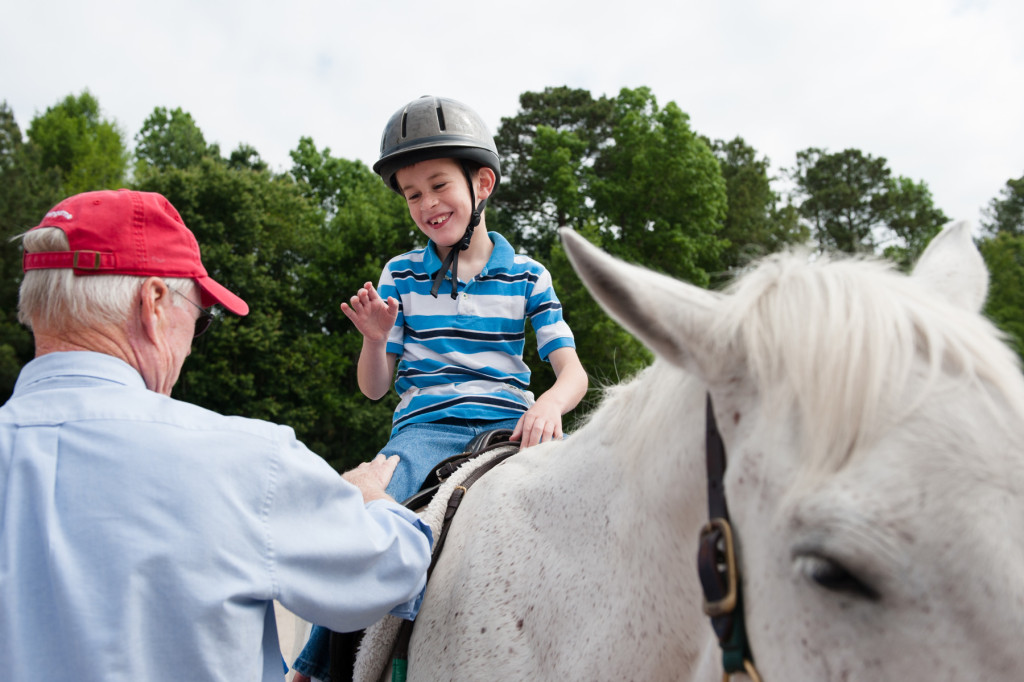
{"points": [[911, 489]]}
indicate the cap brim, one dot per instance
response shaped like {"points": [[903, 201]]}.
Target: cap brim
{"points": [[215, 293]]}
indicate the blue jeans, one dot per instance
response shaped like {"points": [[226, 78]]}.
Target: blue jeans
{"points": [[420, 448]]}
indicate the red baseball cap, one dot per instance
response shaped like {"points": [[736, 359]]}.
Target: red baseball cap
{"points": [[124, 232]]}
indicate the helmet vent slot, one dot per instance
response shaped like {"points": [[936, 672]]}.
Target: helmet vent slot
{"points": [[440, 118]]}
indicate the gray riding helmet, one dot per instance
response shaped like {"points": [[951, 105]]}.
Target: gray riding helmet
{"points": [[434, 128]]}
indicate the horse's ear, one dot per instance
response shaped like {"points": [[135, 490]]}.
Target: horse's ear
{"points": [[669, 316], [952, 267]]}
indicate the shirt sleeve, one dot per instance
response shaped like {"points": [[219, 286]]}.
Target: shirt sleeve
{"points": [[336, 561], [545, 313]]}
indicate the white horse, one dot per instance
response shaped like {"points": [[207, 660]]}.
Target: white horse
{"points": [[874, 425]]}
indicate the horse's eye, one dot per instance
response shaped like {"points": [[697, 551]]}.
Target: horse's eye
{"points": [[833, 576]]}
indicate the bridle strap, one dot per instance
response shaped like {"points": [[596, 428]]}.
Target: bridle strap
{"points": [[715, 449], [716, 561]]}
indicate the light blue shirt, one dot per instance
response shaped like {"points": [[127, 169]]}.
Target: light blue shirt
{"points": [[463, 357], [144, 538]]}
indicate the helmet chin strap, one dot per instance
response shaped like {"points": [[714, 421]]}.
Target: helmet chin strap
{"points": [[452, 259]]}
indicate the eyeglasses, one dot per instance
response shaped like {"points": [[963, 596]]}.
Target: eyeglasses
{"points": [[205, 318]]}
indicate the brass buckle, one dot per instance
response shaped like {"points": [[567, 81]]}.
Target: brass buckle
{"points": [[748, 668], [95, 263], [727, 603]]}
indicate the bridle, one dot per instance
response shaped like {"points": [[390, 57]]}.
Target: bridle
{"points": [[716, 563]]}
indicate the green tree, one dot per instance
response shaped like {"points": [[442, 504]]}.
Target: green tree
{"points": [[631, 176], [1006, 213], [246, 157], [1004, 256], [258, 234], [365, 224], [912, 220], [853, 204], [25, 195], [85, 151], [170, 139], [548, 150], [756, 223], [659, 193]]}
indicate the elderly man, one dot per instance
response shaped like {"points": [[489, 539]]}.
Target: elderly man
{"points": [[144, 538]]}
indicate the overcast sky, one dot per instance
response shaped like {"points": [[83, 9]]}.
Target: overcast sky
{"points": [[934, 86]]}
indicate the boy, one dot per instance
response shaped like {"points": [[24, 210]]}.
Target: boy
{"points": [[459, 356], [452, 315]]}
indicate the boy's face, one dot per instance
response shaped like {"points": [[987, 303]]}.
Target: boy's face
{"points": [[438, 198]]}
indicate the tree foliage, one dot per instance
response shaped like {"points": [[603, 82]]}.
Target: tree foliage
{"points": [[853, 204], [629, 171], [1003, 249], [170, 139], [25, 195], [1005, 213], [1004, 256], [756, 223], [83, 150], [631, 176], [363, 225], [623, 171]]}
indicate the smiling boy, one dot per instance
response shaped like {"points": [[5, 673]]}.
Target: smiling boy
{"points": [[451, 317], [458, 352]]}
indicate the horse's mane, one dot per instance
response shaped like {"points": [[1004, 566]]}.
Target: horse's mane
{"points": [[838, 340]]}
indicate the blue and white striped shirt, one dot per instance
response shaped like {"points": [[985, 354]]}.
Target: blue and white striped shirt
{"points": [[463, 357]]}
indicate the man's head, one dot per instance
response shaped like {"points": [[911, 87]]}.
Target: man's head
{"points": [[108, 271]]}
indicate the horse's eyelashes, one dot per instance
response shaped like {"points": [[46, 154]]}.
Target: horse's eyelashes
{"points": [[835, 577]]}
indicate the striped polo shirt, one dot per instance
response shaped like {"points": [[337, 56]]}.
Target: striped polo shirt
{"points": [[463, 357]]}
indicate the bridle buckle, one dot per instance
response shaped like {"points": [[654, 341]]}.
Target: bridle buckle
{"points": [[717, 566]]}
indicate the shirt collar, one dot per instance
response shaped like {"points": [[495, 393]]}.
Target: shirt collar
{"points": [[86, 367], [502, 256]]}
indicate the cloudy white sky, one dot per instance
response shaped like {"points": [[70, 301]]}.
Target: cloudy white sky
{"points": [[934, 86]]}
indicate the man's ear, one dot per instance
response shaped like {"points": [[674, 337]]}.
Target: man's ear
{"points": [[485, 182], [153, 300]]}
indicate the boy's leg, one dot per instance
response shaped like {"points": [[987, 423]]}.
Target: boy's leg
{"points": [[313, 661], [420, 448]]}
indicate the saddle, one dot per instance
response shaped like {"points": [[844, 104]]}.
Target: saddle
{"points": [[480, 444], [345, 645]]}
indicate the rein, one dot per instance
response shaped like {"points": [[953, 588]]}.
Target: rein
{"points": [[716, 563]]}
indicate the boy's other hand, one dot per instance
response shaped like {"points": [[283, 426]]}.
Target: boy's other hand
{"points": [[542, 422]]}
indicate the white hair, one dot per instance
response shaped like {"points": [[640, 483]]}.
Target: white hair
{"points": [[839, 341], [59, 300]]}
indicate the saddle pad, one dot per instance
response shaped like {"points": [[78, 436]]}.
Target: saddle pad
{"points": [[375, 650]]}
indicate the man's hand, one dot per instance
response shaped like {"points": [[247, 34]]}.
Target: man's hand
{"points": [[373, 477]]}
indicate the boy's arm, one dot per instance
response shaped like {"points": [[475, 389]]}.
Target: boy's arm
{"points": [[543, 421], [374, 318], [376, 368]]}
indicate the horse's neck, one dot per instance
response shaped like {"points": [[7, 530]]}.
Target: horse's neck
{"points": [[640, 455]]}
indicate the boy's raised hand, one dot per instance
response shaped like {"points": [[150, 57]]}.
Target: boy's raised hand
{"points": [[371, 315]]}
